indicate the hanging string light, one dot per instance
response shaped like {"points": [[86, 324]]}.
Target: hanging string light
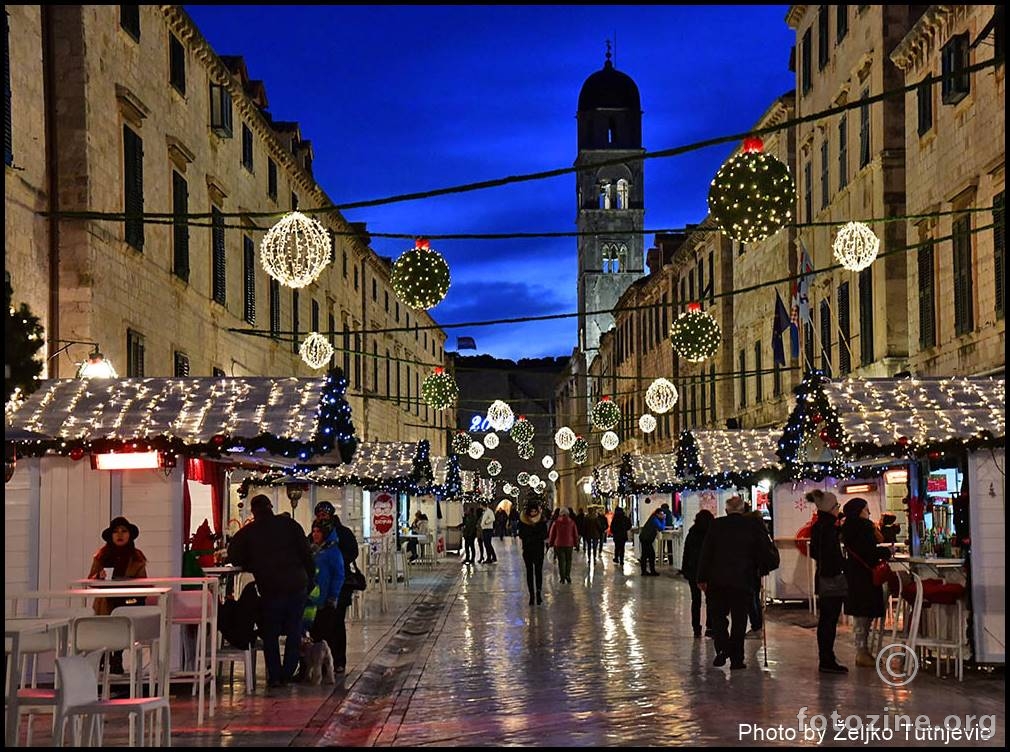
{"points": [[564, 438], [523, 478], [461, 442], [494, 468], [856, 246], [661, 396], [534, 480], [695, 334], [315, 350], [475, 450], [610, 441], [606, 414], [580, 450], [553, 476], [547, 462], [500, 416], [752, 195], [522, 432], [526, 451], [647, 423], [295, 250], [491, 441], [420, 276], [439, 389]]}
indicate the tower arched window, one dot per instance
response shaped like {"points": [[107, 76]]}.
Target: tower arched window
{"points": [[611, 132], [605, 195], [621, 258], [622, 193]]}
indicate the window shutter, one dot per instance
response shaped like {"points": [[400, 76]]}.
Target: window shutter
{"points": [[866, 316], [272, 179], [181, 365], [743, 378], [315, 315], [999, 251], [176, 64], [249, 277], [295, 342], [129, 19], [219, 278], [963, 309], [826, 348], [758, 376], [180, 237], [8, 127], [275, 307], [927, 304], [844, 331], [133, 180]]}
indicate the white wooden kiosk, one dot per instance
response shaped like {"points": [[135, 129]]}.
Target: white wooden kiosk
{"points": [[60, 498]]}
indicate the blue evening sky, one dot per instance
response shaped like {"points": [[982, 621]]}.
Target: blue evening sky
{"points": [[398, 99]]}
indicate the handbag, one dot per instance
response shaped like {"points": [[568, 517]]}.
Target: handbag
{"points": [[832, 586], [354, 579], [881, 573]]}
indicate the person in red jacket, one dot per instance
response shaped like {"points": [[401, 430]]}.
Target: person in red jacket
{"points": [[563, 537]]}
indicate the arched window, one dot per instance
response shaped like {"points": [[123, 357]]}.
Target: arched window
{"points": [[614, 257], [622, 194], [605, 195], [611, 132]]}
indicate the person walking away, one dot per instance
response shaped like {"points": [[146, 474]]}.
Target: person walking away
{"points": [[321, 612], [471, 528], [533, 534], [274, 548], [827, 552], [514, 520], [735, 548], [865, 601], [652, 526], [580, 525], [501, 520], [689, 568], [119, 559], [487, 533], [620, 526], [419, 526], [563, 537]]}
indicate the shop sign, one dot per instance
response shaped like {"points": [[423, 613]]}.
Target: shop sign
{"points": [[936, 482], [383, 513]]}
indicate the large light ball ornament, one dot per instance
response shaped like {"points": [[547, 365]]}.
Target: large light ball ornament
{"points": [[461, 442], [500, 416], [526, 451], [534, 480], [610, 441], [315, 350], [661, 396], [522, 432], [553, 476], [647, 423], [856, 246], [491, 441], [439, 389], [420, 276], [752, 195], [514, 493], [580, 450], [507, 488], [564, 438], [493, 468], [295, 250], [547, 462], [606, 414], [475, 450], [695, 334]]}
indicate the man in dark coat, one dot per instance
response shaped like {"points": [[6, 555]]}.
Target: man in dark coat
{"points": [[735, 550], [275, 550]]}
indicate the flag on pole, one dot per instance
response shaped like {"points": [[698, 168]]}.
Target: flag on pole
{"points": [[794, 320], [465, 343], [779, 326], [806, 273]]}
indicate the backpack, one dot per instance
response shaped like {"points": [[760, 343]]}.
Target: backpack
{"points": [[236, 619]]}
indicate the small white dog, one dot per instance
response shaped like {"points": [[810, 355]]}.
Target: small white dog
{"points": [[318, 662]]}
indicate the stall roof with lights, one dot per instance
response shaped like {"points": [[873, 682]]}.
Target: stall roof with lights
{"points": [[838, 422], [726, 458], [288, 418], [448, 480]]}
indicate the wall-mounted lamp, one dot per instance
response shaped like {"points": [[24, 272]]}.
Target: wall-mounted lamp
{"points": [[97, 366]]}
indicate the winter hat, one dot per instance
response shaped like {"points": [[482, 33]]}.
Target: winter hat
{"points": [[824, 501], [325, 506], [853, 507], [120, 522]]}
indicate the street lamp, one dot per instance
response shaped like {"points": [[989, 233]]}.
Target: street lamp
{"points": [[97, 366]]}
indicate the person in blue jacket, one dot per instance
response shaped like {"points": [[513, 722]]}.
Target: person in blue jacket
{"points": [[321, 612], [647, 537]]}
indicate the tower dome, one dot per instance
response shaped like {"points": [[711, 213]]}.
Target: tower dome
{"points": [[610, 111], [609, 89]]}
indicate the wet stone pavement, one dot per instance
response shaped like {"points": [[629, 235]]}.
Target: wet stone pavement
{"points": [[460, 659]]}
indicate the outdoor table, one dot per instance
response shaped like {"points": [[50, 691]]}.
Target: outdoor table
{"points": [[14, 628]]}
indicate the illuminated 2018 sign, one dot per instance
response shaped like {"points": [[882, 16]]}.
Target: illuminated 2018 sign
{"points": [[480, 423]]}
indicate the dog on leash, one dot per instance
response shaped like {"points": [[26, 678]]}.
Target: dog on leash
{"points": [[318, 662]]}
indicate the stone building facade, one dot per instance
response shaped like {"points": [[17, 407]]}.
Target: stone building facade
{"points": [[955, 153], [127, 109]]}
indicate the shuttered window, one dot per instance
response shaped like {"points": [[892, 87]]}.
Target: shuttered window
{"points": [[275, 308], [180, 228], [825, 174], [315, 315], [826, 347], [841, 22], [808, 191], [176, 64], [249, 280], [964, 319], [806, 58], [220, 110], [999, 251], [181, 364], [711, 393], [864, 132], [844, 331], [924, 101], [954, 59], [843, 153], [295, 322], [247, 148], [822, 37], [271, 179], [129, 20], [759, 392], [134, 354], [347, 359], [8, 123], [808, 344], [743, 378], [711, 277], [219, 278], [927, 297], [133, 188], [866, 316]]}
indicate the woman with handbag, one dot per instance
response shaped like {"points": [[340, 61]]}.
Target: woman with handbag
{"points": [[831, 585], [865, 601]]}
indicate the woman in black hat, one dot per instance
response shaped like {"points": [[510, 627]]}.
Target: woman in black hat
{"points": [[126, 561]]}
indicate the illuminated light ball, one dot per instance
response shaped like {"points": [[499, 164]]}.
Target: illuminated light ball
{"points": [[580, 450], [461, 442], [752, 194], [541, 487], [522, 432], [547, 462], [534, 480], [76, 454], [475, 450], [647, 423], [523, 478], [514, 493], [661, 396], [610, 441], [420, 276], [564, 438], [439, 389], [500, 416], [856, 246], [553, 476], [526, 451], [507, 488], [493, 468], [491, 441], [606, 414], [295, 250], [695, 334], [315, 350]]}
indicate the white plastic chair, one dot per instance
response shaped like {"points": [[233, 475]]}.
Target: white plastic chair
{"points": [[78, 698], [232, 655]]}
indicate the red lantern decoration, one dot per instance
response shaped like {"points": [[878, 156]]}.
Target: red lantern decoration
{"points": [[76, 454], [218, 440], [753, 145]]}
